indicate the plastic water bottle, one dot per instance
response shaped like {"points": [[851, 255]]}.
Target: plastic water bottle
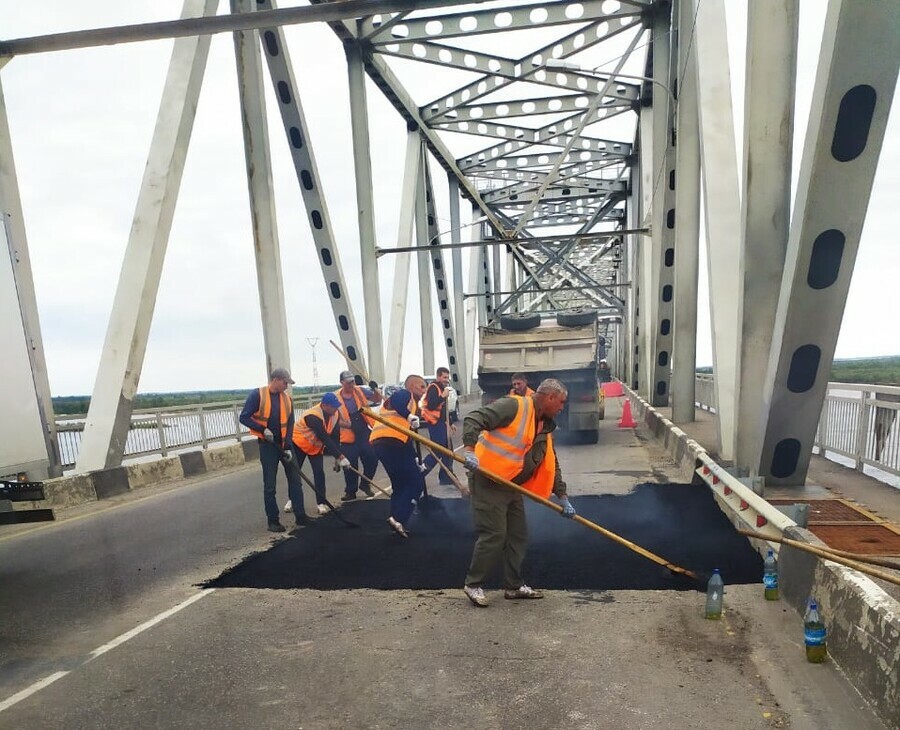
{"points": [[770, 577], [814, 634], [714, 590]]}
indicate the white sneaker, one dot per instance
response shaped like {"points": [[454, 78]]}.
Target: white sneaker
{"points": [[523, 591], [476, 595], [288, 507], [397, 527], [322, 509]]}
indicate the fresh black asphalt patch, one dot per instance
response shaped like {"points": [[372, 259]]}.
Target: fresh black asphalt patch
{"points": [[678, 522]]}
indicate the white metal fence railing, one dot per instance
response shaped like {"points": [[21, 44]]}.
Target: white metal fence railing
{"points": [[161, 430], [858, 423]]}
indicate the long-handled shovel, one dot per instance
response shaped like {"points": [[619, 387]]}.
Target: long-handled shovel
{"points": [[546, 502], [862, 563], [369, 481]]}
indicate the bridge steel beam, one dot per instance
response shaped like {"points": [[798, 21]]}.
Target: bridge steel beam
{"points": [[284, 84], [663, 225], [28, 430], [423, 262], [687, 222], [722, 207], [645, 270], [459, 315], [257, 156], [365, 208], [855, 83], [630, 258], [772, 28], [400, 290], [109, 415]]}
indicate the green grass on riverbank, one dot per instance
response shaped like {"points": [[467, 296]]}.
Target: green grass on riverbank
{"points": [[868, 370]]}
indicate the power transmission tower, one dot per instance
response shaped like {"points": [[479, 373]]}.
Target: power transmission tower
{"points": [[312, 343]]}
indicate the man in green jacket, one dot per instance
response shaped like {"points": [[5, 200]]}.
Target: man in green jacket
{"points": [[498, 511]]}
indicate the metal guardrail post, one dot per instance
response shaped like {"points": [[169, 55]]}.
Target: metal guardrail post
{"points": [[236, 413], [822, 432], [202, 419], [862, 423], [161, 430]]}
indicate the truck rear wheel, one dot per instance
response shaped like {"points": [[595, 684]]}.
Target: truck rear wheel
{"points": [[520, 321], [576, 317]]}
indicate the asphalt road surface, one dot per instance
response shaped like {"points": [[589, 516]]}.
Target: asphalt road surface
{"points": [[106, 625]]}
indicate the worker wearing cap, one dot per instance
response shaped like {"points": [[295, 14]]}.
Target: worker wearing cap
{"points": [[316, 435], [355, 430], [434, 413], [512, 438], [395, 451], [269, 414], [520, 385]]}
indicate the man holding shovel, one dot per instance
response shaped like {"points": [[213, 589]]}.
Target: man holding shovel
{"points": [[512, 438]]}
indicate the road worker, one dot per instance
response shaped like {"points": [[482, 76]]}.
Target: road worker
{"points": [[434, 413], [396, 453], [269, 414], [355, 430], [520, 385], [512, 438], [316, 435]]}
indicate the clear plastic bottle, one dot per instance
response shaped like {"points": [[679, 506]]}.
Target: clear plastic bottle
{"points": [[814, 634], [770, 577], [714, 591]]}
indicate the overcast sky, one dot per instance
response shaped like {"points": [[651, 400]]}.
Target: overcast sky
{"points": [[81, 122]]}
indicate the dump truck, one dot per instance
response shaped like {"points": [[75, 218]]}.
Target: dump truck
{"points": [[564, 345]]}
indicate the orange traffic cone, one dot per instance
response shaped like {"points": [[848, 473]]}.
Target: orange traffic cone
{"points": [[627, 421]]}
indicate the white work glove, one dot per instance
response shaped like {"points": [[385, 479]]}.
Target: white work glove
{"points": [[288, 456], [344, 462], [414, 422], [421, 465], [269, 436], [471, 460], [568, 511]]}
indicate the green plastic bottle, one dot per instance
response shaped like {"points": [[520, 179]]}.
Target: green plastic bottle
{"points": [[814, 634]]}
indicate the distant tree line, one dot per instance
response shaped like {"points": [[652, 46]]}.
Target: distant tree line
{"points": [[71, 404], [869, 370]]}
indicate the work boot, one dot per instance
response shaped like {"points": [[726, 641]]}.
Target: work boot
{"points": [[348, 497], [367, 490], [301, 521], [275, 526], [522, 592], [397, 527], [322, 509], [476, 595]]}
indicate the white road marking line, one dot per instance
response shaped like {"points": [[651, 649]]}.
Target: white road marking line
{"points": [[100, 651]]}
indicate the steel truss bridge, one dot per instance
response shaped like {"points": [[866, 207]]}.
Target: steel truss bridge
{"points": [[583, 135]]}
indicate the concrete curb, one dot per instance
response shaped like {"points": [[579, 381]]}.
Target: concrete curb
{"points": [[71, 491], [863, 621]]}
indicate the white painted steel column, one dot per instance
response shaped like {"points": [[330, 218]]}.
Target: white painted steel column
{"points": [[257, 156], [496, 274], [772, 27], [630, 260], [459, 313], [400, 290], [645, 285], [365, 206], [722, 207], [855, 84], [687, 223], [663, 213], [26, 443], [109, 417], [474, 304], [426, 321]]}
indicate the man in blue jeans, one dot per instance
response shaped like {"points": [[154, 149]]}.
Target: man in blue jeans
{"points": [[440, 425], [269, 414]]}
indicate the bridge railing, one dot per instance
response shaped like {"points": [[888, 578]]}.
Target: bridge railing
{"points": [[164, 430], [858, 423]]}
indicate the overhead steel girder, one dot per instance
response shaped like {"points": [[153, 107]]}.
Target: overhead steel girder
{"points": [[562, 190], [529, 108], [532, 69], [498, 20], [615, 152], [451, 57], [328, 253]]}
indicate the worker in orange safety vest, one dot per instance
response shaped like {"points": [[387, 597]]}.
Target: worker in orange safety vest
{"points": [[520, 385], [355, 430], [316, 435], [440, 423]]}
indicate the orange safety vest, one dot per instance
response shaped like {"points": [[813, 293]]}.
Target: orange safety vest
{"points": [[304, 438], [528, 391], [261, 417], [428, 415], [383, 431], [502, 451], [347, 435]]}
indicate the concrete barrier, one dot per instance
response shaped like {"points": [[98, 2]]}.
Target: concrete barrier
{"points": [[225, 458], [192, 463], [158, 471], [863, 621], [110, 482], [68, 492]]}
